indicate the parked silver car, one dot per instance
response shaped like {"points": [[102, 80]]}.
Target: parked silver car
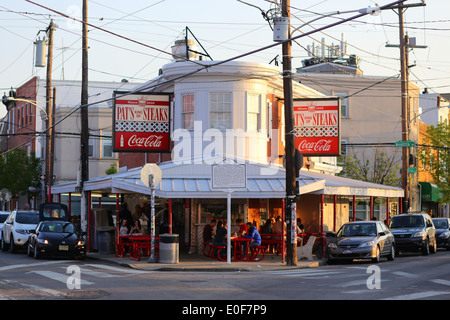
{"points": [[361, 240]]}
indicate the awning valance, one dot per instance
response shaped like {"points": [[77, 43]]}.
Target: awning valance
{"points": [[263, 181]]}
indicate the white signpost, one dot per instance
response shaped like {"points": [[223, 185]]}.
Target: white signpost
{"points": [[151, 176], [227, 178]]}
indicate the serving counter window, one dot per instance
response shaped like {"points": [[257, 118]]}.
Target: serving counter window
{"points": [[217, 209]]}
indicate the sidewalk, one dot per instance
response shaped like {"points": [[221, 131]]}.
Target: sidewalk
{"points": [[198, 262]]}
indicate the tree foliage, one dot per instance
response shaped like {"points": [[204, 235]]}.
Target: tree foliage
{"points": [[435, 156], [381, 168], [19, 173]]}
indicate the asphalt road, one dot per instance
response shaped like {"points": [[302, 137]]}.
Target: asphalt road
{"points": [[409, 277]]}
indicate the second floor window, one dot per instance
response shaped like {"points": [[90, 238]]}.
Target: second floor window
{"points": [[188, 111], [253, 112], [220, 111], [107, 145]]}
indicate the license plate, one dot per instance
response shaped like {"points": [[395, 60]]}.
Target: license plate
{"points": [[63, 248], [348, 251]]}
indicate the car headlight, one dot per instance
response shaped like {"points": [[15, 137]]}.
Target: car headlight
{"points": [[22, 231], [80, 243], [445, 234], [42, 241], [332, 245], [367, 244], [421, 234]]}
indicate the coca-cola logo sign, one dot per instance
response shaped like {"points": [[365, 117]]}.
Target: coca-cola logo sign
{"points": [[316, 126]]}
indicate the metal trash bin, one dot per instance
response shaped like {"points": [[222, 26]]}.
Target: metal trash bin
{"points": [[168, 248], [105, 240]]}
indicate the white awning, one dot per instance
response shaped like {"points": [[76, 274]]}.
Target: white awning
{"points": [[263, 181]]}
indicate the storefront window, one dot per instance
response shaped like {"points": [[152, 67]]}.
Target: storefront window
{"points": [[218, 211]]}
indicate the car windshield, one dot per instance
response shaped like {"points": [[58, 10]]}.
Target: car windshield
{"points": [[357, 230], [57, 227], [407, 221], [3, 217], [27, 217], [440, 223]]}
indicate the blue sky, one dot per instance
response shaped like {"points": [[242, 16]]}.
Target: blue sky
{"points": [[226, 28]]}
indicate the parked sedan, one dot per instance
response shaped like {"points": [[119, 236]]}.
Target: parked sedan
{"points": [[442, 226], [56, 238], [361, 240]]}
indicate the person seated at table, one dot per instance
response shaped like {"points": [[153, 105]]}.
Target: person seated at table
{"points": [[300, 232], [124, 229], [253, 234], [208, 231], [266, 231], [242, 227], [136, 230], [221, 236]]}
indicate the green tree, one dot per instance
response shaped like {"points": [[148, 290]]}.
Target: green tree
{"points": [[436, 157], [19, 173], [381, 168]]}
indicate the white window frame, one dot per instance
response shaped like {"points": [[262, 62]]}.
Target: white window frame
{"points": [[220, 110], [105, 143], [253, 112], [184, 113]]}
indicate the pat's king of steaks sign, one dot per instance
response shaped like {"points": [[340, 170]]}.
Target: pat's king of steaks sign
{"points": [[317, 126], [141, 122]]}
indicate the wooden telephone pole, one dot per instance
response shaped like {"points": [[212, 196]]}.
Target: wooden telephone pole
{"points": [[49, 108], [405, 111], [290, 205], [84, 159]]}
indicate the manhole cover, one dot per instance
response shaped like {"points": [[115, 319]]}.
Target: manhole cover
{"points": [[86, 294]]}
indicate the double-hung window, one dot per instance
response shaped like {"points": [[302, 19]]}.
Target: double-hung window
{"points": [[220, 110], [188, 111], [253, 112]]}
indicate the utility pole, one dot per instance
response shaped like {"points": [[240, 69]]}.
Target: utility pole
{"points": [[291, 249], [405, 111], [84, 159], [49, 137]]}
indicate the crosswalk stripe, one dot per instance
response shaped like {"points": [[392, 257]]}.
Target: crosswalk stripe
{"points": [[28, 265], [419, 295], [59, 277], [405, 274], [122, 270], [441, 281]]}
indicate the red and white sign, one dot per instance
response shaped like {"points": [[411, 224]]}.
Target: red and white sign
{"points": [[141, 122], [316, 126]]}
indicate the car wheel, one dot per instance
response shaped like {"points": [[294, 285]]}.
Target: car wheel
{"points": [[12, 245], [426, 248], [391, 255], [377, 257]]}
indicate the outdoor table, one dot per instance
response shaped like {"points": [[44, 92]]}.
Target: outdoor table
{"points": [[139, 242], [240, 247]]}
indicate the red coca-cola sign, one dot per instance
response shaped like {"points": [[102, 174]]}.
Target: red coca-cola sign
{"points": [[141, 122], [316, 126]]}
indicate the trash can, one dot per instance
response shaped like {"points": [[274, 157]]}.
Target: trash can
{"points": [[168, 248], [105, 240]]}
